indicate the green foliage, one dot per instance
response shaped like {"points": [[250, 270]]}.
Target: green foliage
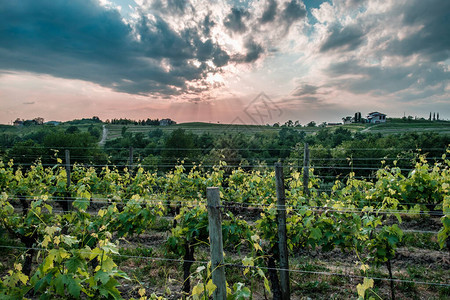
{"points": [[382, 246], [192, 229], [77, 252], [72, 129], [71, 271], [179, 145]]}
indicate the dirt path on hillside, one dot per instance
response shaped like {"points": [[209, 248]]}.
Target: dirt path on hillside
{"points": [[104, 136]]}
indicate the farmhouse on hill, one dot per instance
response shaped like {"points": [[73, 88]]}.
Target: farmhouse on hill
{"points": [[376, 118], [166, 122], [18, 122], [350, 120], [347, 120], [36, 121]]}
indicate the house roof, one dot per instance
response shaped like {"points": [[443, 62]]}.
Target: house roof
{"points": [[375, 113]]}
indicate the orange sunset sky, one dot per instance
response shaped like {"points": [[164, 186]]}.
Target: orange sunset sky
{"points": [[207, 60]]}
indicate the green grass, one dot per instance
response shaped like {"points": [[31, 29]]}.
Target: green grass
{"points": [[161, 225], [115, 131], [399, 126], [420, 240], [24, 130], [391, 126], [125, 253], [444, 292], [313, 287], [354, 127]]}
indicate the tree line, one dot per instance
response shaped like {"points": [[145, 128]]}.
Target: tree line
{"points": [[154, 122], [334, 151]]}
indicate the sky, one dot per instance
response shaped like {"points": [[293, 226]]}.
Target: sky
{"points": [[251, 62]]}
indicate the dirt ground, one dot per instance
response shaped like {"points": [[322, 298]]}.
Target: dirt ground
{"points": [[418, 259]]}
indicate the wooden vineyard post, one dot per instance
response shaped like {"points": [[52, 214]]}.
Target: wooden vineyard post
{"points": [[306, 171], [216, 247], [68, 168], [67, 202], [282, 236], [130, 160]]}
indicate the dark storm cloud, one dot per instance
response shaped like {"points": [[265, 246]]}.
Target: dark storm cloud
{"points": [[305, 89], [294, 100], [178, 5], [62, 26], [235, 20], [309, 99], [422, 94], [355, 2], [159, 40], [269, 12], [423, 27], [307, 94], [208, 49], [292, 11], [80, 39], [384, 80], [253, 52], [432, 39], [207, 25], [345, 39], [220, 57], [173, 7]]}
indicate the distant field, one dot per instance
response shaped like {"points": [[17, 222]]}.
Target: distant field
{"points": [[392, 126], [413, 126], [115, 131], [24, 130]]}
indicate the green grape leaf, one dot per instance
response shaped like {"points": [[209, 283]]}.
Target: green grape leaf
{"points": [[81, 204], [59, 284], [108, 264], [69, 240], [102, 276], [315, 233], [210, 287], [74, 263], [73, 286], [361, 288]]}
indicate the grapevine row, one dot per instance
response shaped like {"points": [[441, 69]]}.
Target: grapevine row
{"points": [[80, 243]]}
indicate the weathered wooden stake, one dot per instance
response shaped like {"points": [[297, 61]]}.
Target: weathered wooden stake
{"points": [[216, 247], [68, 168], [282, 239], [68, 202], [306, 171], [130, 160]]}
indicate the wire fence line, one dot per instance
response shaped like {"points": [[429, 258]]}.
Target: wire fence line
{"points": [[337, 165], [420, 149], [169, 218], [346, 160], [191, 165], [352, 167], [260, 207], [324, 273], [198, 200]]}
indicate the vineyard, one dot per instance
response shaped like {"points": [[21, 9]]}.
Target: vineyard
{"points": [[82, 231]]}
